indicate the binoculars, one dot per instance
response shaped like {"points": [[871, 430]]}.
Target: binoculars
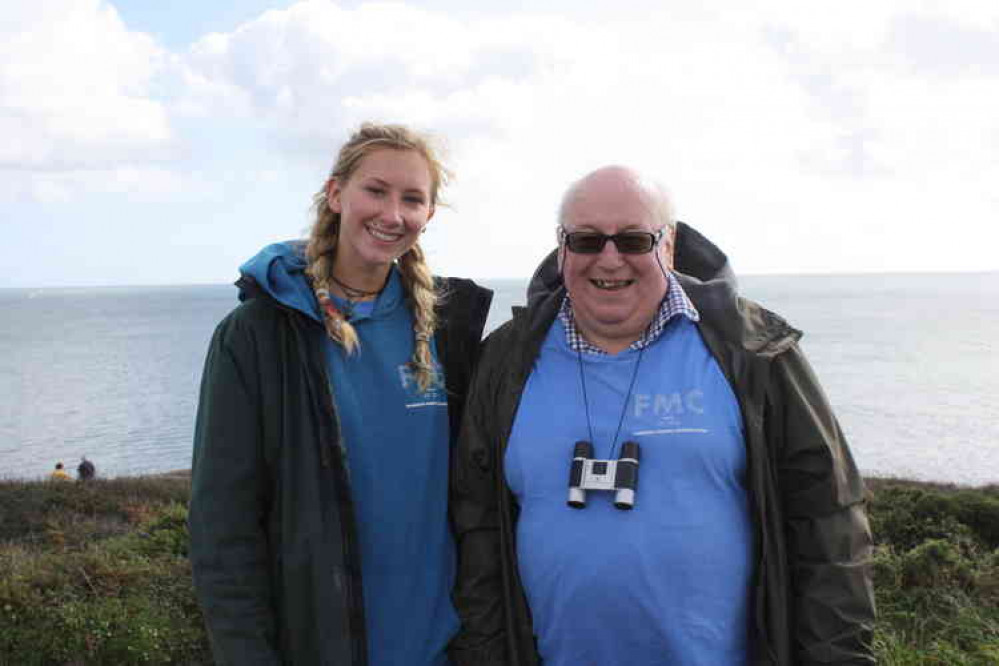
{"points": [[620, 476]]}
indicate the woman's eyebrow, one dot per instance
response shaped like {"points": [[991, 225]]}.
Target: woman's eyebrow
{"points": [[384, 183]]}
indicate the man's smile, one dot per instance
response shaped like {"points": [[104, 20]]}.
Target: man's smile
{"points": [[611, 285]]}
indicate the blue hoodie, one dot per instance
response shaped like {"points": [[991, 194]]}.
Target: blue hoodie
{"points": [[396, 440]]}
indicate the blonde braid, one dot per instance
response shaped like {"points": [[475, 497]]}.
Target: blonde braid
{"points": [[419, 284], [319, 253]]}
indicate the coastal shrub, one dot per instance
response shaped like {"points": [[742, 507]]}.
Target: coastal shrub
{"points": [[980, 512], [936, 576], [33, 511], [97, 574], [905, 515], [92, 578], [895, 519], [988, 579], [894, 650], [164, 533], [105, 605], [937, 563], [931, 624]]}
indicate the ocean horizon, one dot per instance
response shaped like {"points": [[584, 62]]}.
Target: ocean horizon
{"points": [[503, 280], [112, 372]]}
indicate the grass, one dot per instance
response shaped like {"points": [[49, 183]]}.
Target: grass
{"points": [[97, 573], [936, 573]]}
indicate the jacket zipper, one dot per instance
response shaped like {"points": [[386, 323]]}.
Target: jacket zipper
{"points": [[334, 445]]}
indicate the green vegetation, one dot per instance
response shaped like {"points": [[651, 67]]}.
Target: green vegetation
{"points": [[936, 573], [96, 573]]}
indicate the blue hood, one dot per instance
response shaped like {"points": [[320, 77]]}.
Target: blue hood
{"points": [[279, 269]]}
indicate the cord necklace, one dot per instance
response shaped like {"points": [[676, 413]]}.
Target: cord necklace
{"points": [[352, 294]]}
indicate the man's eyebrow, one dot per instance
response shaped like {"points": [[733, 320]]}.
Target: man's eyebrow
{"points": [[588, 227]]}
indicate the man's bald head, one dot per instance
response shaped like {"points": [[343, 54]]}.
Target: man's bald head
{"points": [[623, 180]]}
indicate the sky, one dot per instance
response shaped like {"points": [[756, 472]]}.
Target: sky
{"points": [[148, 143]]}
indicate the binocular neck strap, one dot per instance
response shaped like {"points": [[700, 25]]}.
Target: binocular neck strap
{"points": [[624, 407]]}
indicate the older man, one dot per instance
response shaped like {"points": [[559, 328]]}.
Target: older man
{"points": [[742, 539]]}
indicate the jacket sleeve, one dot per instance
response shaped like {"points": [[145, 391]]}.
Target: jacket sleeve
{"points": [[829, 544], [478, 593], [229, 553]]}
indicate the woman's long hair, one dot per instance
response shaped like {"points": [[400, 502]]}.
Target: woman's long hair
{"points": [[417, 279]]}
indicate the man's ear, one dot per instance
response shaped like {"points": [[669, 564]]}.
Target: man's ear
{"points": [[560, 253], [333, 196], [667, 246]]}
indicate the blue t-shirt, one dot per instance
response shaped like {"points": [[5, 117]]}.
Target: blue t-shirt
{"points": [[668, 582], [397, 451]]}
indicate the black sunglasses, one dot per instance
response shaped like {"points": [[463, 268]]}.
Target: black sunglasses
{"points": [[627, 242]]}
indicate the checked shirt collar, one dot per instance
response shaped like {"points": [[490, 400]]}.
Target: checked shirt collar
{"points": [[675, 304]]}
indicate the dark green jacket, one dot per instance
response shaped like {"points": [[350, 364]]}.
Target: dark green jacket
{"points": [[813, 600], [273, 541]]}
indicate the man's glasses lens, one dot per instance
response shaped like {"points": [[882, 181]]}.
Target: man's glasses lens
{"points": [[630, 242]]}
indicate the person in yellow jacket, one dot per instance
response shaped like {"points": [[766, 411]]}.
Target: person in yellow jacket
{"points": [[59, 473]]}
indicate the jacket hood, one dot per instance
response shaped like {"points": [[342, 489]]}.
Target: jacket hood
{"points": [[279, 271], [707, 277]]}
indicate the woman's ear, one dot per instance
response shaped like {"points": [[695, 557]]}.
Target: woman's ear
{"points": [[333, 196]]}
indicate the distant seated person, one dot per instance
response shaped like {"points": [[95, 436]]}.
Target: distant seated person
{"points": [[85, 471], [59, 473]]}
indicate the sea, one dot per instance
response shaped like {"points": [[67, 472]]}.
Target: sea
{"points": [[907, 360]]}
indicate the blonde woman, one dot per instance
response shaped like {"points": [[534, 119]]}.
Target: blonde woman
{"points": [[329, 404]]}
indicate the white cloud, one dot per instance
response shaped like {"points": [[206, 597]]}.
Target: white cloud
{"points": [[790, 133], [802, 138], [141, 183], [75, 89], [315, 70]]}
